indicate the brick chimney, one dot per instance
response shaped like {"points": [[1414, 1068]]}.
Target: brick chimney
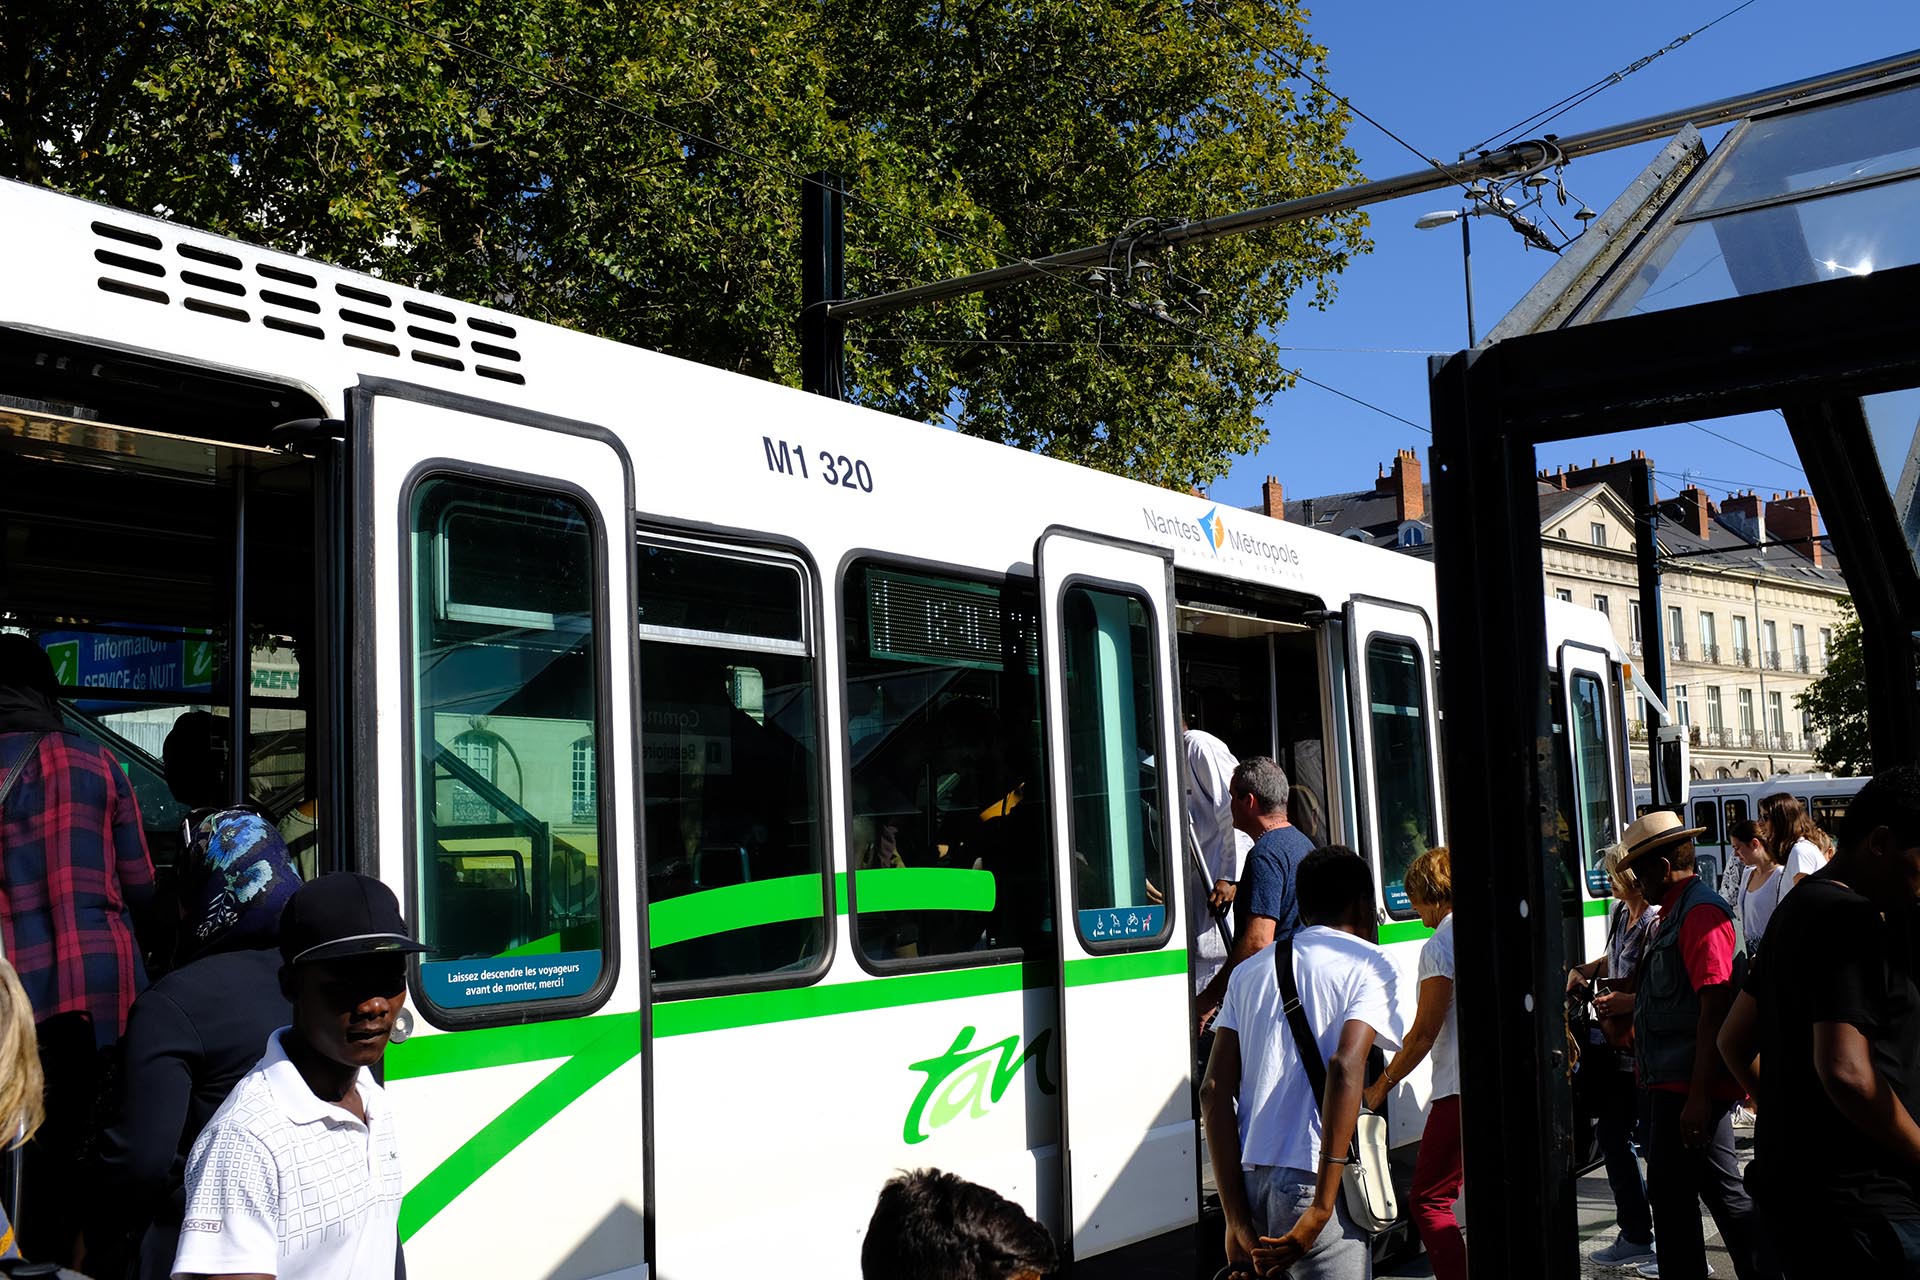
{"points": [[1742, 512], [1272, 499], [1796, 519], [1409, 497], [1696, 509], [1613, 472]]}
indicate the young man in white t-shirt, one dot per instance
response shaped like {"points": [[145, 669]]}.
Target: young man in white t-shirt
{"points": [[297, 1176], [1278, 1166]]}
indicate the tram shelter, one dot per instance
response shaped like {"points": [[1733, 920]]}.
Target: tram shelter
{"points": [[1778, 274]]}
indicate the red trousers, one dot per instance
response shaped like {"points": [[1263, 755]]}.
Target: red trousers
{"points": [[1436, 1185]]}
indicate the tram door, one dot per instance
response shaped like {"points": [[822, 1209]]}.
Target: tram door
{"points": [[1591, 709], [496, 795], [1397, 739], [1126, 1099]]}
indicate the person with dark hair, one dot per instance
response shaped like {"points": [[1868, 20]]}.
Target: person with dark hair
{"points": [[196, 1032], [1793, 841], [307, 1135], [1831, 1012], [930, 1225], [1686, 984], [1264, 906], [74, 870], [194, 756], [1278, 1151]]}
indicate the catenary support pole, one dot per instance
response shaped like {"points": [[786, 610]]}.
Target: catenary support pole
{"points": [[823, 209]]}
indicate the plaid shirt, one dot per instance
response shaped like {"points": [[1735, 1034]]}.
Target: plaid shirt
{"points": [[73, 858]]}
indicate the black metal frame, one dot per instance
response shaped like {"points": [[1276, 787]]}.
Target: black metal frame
{"points": [[1809, 352]]}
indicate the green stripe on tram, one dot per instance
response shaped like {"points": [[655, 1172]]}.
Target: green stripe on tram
{"points": [[587, 1050], [1413, 931], [708, 912]]}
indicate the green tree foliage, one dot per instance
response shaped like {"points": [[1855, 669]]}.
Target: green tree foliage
{"points": [[1837, 701], [630, 170]]}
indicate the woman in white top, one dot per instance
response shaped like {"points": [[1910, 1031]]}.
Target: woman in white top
{"points": [[1436, 1171], [1762, 881], [1792, 839]]}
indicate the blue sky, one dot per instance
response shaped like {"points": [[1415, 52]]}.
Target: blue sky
{"points": [[1444, 76]]}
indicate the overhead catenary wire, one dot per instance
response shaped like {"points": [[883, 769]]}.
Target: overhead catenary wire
{"points": [[1548, 114]]}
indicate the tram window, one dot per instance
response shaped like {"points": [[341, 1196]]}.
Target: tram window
{"points": [[1706, 814], [1592, 777], [505, 684], [729, 752], [1402, 764], [1119, 853], [1734, 811], [948, 789], [1827, 812]]}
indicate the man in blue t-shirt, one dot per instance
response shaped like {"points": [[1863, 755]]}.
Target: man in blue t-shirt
{"points": [[1264, 908]]}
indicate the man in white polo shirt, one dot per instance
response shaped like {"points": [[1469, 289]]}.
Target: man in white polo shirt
{"points": [[297, 1176], [1278, 1151]]}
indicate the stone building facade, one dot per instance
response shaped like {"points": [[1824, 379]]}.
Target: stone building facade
{"points": [[1751, 595]]}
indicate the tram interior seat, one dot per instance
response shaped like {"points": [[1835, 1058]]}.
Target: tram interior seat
{"points": [[478, 915]]}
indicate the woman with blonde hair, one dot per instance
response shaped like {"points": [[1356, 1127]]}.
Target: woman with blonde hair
{"points": [[22, 1084], [1629, 926], [1437, 1170], [1792, 839]]}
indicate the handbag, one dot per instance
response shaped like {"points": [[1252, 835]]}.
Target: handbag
{"points": [[1618, 1027], [1365, 1181]]}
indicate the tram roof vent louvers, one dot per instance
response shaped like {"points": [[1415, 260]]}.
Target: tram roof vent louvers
{"points": [[209, 281]]}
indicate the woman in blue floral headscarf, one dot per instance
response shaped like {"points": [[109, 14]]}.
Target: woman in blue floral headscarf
{"points": [[194, 1033]]}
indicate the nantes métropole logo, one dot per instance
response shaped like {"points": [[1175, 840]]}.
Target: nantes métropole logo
{"points": [[966, 1080], [1215, 528]]}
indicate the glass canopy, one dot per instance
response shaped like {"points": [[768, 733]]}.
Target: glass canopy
{"points": [[1813, 194]]}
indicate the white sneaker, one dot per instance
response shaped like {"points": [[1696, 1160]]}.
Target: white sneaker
{"points": [[1742, 1118], [1652, 1270], [1623, 1253]]}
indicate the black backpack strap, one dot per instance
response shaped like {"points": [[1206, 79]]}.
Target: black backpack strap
{"points": [[19, 767], [1303, 1040]]}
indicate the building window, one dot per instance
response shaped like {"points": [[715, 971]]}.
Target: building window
{"points": [[1709, 638], [1563, 533], [1680, 714], [1826, 646], [1770, 643], [1776, 715], [586, 785], [1741, 655], [1603, 605], [480, 751], [1746, 712], [1597, 533], [1633, 621], [1563, 593], [1676, 631], [1714, 723], [1798, 636]]}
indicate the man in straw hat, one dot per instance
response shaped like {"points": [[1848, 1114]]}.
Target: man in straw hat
{"points": [[1686, 985]]}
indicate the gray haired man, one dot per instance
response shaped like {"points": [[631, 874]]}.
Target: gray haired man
{"points": [[1265, 910]]}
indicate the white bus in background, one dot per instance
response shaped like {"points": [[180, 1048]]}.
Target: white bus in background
{"points": [[1716, 806], [774, 781]]}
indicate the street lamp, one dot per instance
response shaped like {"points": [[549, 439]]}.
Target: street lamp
{"points": [[1440, 218]]}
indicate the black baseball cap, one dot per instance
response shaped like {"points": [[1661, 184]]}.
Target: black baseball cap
{"points": [[343, 914]]}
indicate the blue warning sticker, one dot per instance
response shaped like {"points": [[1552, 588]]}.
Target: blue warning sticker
{"points": [[1116, 924]]}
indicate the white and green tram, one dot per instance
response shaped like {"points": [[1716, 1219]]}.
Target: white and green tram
{"points": [[785, 790]]}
